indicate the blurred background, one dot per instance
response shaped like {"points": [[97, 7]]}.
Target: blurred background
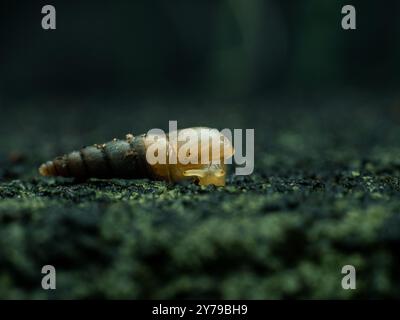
{"points": [[127, 66], [226, 49]]}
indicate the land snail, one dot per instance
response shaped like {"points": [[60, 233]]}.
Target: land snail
{"points": [[127, 159]]}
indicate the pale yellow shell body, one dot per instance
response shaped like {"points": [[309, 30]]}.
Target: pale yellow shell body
{"points": [[212, 150]]}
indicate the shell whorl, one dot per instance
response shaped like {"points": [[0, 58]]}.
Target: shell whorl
{"points": [[114, 159], [126, 159]]}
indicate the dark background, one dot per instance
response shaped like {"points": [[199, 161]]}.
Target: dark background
{"points": [[325, 107], [224, 49]]}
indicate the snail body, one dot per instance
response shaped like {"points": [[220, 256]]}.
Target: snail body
{"points": [[127, 159]]}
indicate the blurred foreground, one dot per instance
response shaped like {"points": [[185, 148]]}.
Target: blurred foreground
{"points": [[325, 193]]}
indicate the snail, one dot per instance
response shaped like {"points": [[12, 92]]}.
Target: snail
{"points": [[133, 158]]}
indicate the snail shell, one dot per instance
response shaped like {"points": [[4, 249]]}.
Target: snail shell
{"points": [[127, 159]]}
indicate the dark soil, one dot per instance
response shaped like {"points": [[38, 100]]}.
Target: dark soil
{"points": [[325, 193]]}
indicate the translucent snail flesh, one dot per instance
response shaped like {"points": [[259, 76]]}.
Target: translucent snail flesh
{"points": [[127, 159]]}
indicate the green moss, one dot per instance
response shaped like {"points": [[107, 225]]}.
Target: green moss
{"points": [[324, 194]]}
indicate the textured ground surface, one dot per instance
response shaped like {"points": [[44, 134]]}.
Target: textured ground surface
{"points": [[325, 193]]}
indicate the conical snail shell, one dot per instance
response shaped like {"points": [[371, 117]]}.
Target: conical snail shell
{"points": [[127, 158]]}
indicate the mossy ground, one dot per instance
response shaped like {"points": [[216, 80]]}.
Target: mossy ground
{"points": [[324, 194]]}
